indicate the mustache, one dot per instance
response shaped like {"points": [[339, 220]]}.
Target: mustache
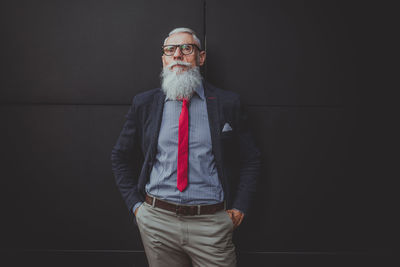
{"points": [[178, 62]]}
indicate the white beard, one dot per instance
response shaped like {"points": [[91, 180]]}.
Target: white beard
{"points": [[180, 84]]}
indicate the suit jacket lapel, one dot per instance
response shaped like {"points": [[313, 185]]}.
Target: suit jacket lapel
{"points": [[157, 108], [213, 118]]}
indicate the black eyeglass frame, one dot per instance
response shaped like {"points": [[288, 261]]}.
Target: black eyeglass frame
{"points": [[180, 48]]}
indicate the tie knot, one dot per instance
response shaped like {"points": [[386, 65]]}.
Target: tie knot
{"points": [[185, 101]]}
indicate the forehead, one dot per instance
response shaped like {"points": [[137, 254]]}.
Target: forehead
{"points": [[180, 38]]}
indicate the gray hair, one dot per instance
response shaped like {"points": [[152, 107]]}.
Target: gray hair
{"points": [[186, 30]]}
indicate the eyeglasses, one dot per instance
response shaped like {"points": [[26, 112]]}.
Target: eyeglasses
{"points": [[186, 49]]}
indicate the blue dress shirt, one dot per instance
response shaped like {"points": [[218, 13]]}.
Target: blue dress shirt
{"points": [[204, 186]]}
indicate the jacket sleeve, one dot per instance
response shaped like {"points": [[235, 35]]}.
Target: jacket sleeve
{"points": [[127, 159], [250, 161]]}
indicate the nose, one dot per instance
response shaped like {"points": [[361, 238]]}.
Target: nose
{"points": [[178, 54]]}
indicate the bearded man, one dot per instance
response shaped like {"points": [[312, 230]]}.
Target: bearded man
{"points": [[185, 162]]}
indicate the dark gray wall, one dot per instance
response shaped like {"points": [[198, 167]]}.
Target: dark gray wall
{"points": [[69, 72]]}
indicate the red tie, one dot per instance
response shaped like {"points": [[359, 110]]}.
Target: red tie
{"points": [[183, 146]]}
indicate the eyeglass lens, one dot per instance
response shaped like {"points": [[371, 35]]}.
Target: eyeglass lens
{"points": [[186, 49]]}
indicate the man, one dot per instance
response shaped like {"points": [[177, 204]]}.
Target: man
{"points": [[185, 162]]}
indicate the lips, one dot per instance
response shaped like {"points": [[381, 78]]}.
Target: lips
{"points": [[179, 66]]}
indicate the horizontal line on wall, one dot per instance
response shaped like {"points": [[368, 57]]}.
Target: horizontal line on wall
{"points": [[305, 252], [297, 106], [141, 251], [108, 104], [60, 104]]}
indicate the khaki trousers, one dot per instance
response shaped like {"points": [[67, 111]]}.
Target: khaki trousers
{"points": [[172, 240]]}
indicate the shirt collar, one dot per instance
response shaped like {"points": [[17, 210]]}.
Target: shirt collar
{"points": [[199, 91]]}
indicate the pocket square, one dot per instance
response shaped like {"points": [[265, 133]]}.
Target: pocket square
{"points": [[227, 128]]}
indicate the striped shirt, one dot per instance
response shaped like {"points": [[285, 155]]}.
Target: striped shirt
{"points": [[204, 186]]}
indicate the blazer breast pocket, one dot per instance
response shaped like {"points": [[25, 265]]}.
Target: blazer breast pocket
{"points": [[227, 135], [228, 140]]}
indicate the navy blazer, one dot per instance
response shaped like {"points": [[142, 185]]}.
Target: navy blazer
{"points": [[237, 158]]}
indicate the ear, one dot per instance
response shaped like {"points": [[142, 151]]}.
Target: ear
{"points": [[202, 57]]}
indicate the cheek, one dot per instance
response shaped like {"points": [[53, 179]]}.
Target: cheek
{"points": [[165, 61], [192, 60]]}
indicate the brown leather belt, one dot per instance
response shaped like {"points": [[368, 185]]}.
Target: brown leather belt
{"points": [[184, 209]]}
